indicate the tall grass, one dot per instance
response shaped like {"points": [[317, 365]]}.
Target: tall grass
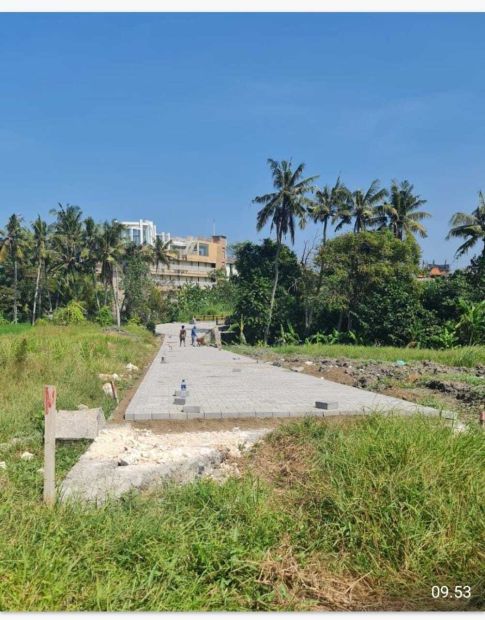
{"points": [[68, 357], [461, 356], [395, 504], [400, 500]]}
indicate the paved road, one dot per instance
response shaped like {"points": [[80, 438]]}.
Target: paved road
{"points": [[225, 385]]}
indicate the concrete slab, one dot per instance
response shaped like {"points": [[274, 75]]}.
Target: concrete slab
{"points": [[82, 424]]}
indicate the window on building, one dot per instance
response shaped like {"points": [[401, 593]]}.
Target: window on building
{"points": [[136, 236], [203, 249]]}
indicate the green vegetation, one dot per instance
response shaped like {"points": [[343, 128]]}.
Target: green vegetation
{"points": [[192, 300], [68, 357], [13, 328], [462, 356], [360, 287], [73, 260], [390, 505]]}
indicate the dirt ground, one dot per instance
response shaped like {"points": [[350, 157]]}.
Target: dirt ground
{"points": [[426, 383]]}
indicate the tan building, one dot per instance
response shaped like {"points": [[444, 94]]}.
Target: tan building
{"points": [[193, 260]]}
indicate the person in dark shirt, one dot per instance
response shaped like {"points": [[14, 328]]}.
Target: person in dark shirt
{"points": [[182, 335]]}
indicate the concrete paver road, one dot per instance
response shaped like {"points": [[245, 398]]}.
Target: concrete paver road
{"points": [[224, 385]]}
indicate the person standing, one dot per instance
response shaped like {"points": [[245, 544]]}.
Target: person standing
{"points": [[182, 335], [193, 333]]}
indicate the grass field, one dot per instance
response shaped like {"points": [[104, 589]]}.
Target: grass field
{"points": [[11, 328], [354, 515], [460, 356], [68, 357]]}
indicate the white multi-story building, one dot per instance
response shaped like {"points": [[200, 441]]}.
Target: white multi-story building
{"points": [[140, 231]]}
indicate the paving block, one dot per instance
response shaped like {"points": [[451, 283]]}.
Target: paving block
{"points": [[238, 414], [129, 415], [281, 414], [236, 369], [264, 414], [142, 416], [191, 409], [195, 416], [179, 401], [180, 415], [209, 415], [324, 404], [161, 416], [179, 394]]}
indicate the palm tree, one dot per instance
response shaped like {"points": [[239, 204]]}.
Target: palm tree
{"points": [[283, 207], [328, 202], [111, 250], [470, 227], [39, 228], [362, 207], [68, 244], [161, 253], [91, 251], [400, 214], [11, 246]]}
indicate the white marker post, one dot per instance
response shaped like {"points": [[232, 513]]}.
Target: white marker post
{"points": [[49, 444]]}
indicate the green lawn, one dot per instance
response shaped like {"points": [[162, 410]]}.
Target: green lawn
{"points": [[460, 356]]}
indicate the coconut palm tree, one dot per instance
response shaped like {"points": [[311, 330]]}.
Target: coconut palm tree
{"points": [[401, 213], [111, 250], [68, 246], [327, 204], [470, 227], [284, 207], [12, 246], [161, 253], [362, 207], [91, 252], [39, 228]]}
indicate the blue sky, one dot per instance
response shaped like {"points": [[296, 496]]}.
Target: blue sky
{"points": [[171, 117]]}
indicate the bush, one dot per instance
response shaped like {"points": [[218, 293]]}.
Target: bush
{"points": [[41, 322], [104, 316], [3, 320], [72, 314]]}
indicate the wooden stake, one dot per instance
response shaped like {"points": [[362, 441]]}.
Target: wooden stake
{"points": [[115, 391], [49, 444]]}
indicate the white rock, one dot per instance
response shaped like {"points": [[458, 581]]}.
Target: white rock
{"points": [[3, 465], [308, 363], [40, 470], [297, 368], [108, 390], [26, 456], [131, 367], [82, 407], [115, 377]]}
